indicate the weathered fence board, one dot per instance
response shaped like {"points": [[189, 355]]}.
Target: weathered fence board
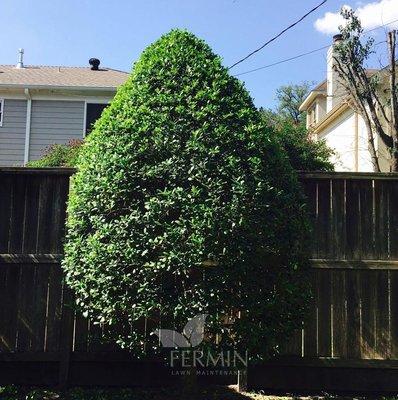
{"points": [[352, 322]]}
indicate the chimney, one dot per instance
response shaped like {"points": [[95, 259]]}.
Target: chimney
{"points": [[20, 59], [94, 62], [334, 89]]}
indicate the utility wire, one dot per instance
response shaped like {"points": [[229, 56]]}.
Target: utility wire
{"points": [[307, 53], [282, 61], [278, 35]]}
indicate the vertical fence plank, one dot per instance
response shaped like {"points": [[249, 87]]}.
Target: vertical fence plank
{"points": [[3, 292], [94, 337], [394, 314], [31, 215], [339, 302], [353, 220], [338, 235], [353, 314], [6, 193], [17, 215], [25, 307], [57, 228], [311, 325], [10, 306], [324, 317], [368, 313], [393, 218], [323, 225], [54, 309], [383, 316], [42, 273], [80, 343], [310, 190], [366, 220], [381, 219], [45, 216], [66, 336]]}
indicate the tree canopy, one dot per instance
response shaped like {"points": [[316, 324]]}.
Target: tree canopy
{"points": [[185, 203], [305, 153]]}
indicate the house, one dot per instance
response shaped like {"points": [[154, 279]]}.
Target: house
{"points": [[43, 105], [329, 117]]}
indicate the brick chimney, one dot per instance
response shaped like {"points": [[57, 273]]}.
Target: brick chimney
{"points": [[334, 89]]}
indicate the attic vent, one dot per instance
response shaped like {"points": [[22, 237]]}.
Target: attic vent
{"points": [[94, 62]]}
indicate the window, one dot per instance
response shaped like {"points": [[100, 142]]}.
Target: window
{"points": [[312, 115], [1, 111], [93, 112]]}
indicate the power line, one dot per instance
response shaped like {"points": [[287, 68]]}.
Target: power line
{"points": [[307, 53], [282, 61], [278, 35]]}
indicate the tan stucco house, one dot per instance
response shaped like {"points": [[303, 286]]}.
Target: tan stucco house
{"points": [[329, 117], [43, 105]]}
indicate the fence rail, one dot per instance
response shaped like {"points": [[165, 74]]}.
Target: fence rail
{"points": [[353, 320]]}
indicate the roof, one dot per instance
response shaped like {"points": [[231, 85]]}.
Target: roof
{"points": [[318, 90], [61, 77], [322, 87]]}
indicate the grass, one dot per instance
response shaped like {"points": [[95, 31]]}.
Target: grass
{"points": [[205, 393]]}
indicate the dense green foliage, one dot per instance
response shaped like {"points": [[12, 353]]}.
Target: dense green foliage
{"points": [[181, 172], [305, 153], [59, 155]]}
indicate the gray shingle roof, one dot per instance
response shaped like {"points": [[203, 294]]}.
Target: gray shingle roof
{"points": [[68, 77]]}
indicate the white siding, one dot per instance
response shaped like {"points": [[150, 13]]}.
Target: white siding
{"points": [[321, 108], [341, 136], [54, 122], [364, 158], [12, 133]]}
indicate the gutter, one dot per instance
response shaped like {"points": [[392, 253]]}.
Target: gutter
{"points": [[50, 87], [28, 125], [331, 116], [309, 99]]}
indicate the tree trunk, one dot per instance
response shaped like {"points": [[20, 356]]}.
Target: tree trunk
{"points": [[394, 102]]}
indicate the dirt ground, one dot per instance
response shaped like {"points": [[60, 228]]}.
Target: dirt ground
{"points": [[204, 393]]}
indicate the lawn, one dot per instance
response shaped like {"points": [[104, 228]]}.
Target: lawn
{"points": [[209, 393]]}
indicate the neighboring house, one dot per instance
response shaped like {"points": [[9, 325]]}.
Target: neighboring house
{"points": [[42, 105], [329, 117]]}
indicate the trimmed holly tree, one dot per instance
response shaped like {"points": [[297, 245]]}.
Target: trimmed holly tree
{"points": [[185, 204]]}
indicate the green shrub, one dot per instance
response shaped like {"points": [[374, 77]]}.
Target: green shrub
{"points": [[305, 154], [59, 155], [180, 170]]}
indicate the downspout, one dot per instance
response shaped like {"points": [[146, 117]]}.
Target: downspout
{"points": [[28, 124]]}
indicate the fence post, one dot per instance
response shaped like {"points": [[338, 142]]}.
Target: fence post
{"points": [[242, 380]]}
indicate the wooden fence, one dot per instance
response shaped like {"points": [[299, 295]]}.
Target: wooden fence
{"points": [[352, 325], [353, 321]]}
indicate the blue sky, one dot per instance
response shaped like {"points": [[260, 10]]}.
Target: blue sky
{"points": [[69, 32]]}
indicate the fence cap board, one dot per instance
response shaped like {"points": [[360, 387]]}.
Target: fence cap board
{"points": [[36, 171], [348, 175]]}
